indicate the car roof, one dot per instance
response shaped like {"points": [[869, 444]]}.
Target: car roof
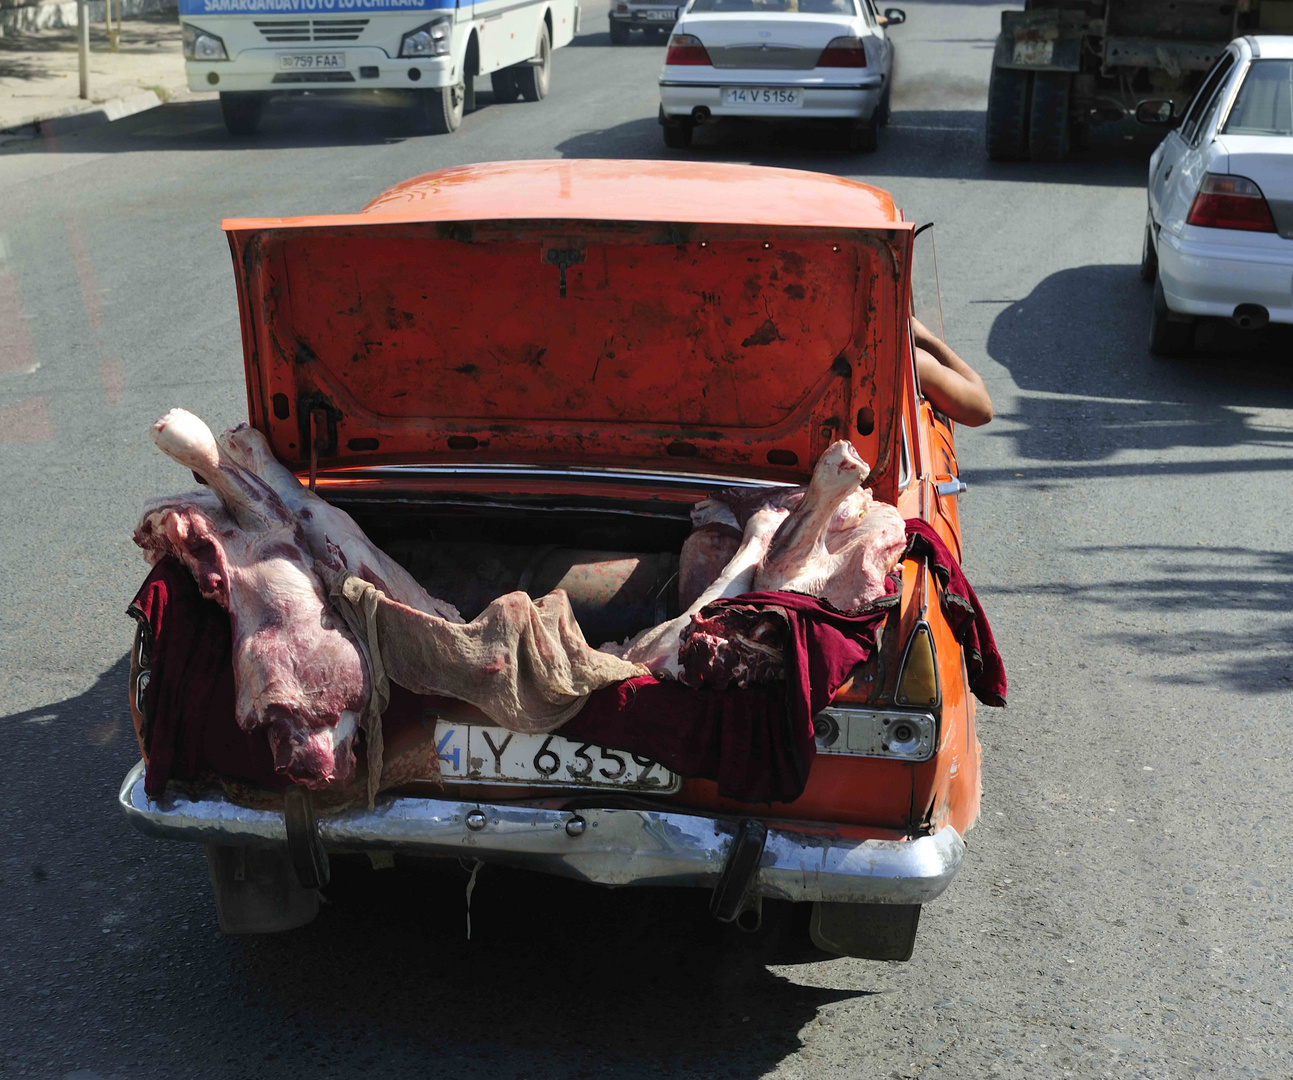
{"points": [[1271, 46], [611, 190]]}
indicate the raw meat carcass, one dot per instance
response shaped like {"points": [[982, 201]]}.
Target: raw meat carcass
{"points": [[718, 523], [326, 524], [733, 647], [837, 544], [298, 672], [657, 647]]}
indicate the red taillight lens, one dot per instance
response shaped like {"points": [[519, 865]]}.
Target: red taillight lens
{"points": [[686, 49], [843, 52], [1230, 202]]}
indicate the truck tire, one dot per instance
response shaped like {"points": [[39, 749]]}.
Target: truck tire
{"points": [[1009, 94], [256, 890], [242, 111], [503, 83], [1048, 119], [533, 80], [1167, 336], [442, 109], [619, 33]]}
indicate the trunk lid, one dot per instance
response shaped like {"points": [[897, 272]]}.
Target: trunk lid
{"points": [[1268, 162], [683, 317], [771, 43]]}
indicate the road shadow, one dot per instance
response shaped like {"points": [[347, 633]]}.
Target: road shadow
{"points": [[637, 39], [558, 980], [358, 118], [942, 144], [1160, 612], [1082, 333]]}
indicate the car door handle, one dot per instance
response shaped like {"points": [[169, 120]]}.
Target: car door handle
{"points": [[953, 486], [1168, 173]]}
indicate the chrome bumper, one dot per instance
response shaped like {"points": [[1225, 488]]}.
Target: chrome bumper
{"points": [[615, 847]]}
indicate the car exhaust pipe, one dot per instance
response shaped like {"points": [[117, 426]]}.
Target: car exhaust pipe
{"points": [[699, 115], [751, 917], [1250, 317]]}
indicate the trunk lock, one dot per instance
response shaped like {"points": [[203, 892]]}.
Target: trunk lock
{"points": [[563, 259]]}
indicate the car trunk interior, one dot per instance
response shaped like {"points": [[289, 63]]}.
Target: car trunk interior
{"points": [[618, 563]]}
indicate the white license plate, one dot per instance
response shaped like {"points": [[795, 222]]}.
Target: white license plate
{"points": [[662, 16], [776, 97], [471, 753], [312, 61]]}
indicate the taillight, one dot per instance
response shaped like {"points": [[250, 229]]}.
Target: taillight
{"points": [[686, 49], [843, 52], [1230, 202]]}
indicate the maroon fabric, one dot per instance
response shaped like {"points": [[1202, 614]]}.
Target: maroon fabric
{"points": [[757, 743], [964, 613], [190, 696]]}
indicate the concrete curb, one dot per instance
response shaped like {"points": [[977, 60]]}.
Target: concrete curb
{"points": [[87, 115]]}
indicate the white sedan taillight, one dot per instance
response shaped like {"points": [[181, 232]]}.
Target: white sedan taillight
{"points": [[1230, 202], [845, 52], [686, 49]]}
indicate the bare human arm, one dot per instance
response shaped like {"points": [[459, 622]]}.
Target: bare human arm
{"points": [[951, 385]]}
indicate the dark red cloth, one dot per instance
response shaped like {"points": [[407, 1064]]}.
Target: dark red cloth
{"points": [[189, 700], [964, 614], [757, 743]]}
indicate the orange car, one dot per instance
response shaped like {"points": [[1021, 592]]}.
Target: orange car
{"points": [[517, 373]]}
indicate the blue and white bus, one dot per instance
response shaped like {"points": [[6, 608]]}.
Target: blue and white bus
{"points": [[250, 50]]}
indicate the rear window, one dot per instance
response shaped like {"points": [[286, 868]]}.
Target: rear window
{"points": [[1265, 102], [777, 7]]}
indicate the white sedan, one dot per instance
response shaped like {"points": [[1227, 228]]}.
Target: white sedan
{"points": [[1219, 232], [779, 59]]}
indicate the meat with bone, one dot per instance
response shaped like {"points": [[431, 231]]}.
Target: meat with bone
{"points": [[298, 673], [718, 523], [837, 544], [326, 524], [658, 647]]}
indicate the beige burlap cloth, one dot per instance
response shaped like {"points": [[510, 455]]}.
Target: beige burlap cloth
{"points": [[524, 663]]}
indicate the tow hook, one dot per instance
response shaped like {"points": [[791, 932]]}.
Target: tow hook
{"points": [[739, 870], [309, 859]]}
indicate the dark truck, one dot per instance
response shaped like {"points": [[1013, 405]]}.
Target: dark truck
{"points": [[1062, 65]]}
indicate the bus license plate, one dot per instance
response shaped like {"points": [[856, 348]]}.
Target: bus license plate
{"points": [[312, 61], [474, 753], [778, 97]]}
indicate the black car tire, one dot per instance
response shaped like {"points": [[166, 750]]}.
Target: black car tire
{"points": [[503, 83], [619, 33], [442, 109], [533, 80], [1048, 118], [1006, 128], [862, 136], [677, 136], [242, 111], [1168, 336], [1148, 256]]}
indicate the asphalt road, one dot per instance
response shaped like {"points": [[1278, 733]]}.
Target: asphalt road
{"points": [[1124, 907]]}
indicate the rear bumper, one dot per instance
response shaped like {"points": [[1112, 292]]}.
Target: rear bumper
{"points": [[616, 847], [257, 70], [820, 102], [1213, 276]]}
